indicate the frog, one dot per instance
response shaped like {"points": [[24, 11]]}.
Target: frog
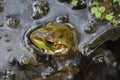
{"points": [[56, 39]]}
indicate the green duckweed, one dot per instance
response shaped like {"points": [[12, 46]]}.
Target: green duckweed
{"points": [[74, 2], [109, 17], [114, 21], [95, 2], [94, 10], [101, 10], [98, 15]]}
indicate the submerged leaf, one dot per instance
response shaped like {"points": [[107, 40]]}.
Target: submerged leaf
{"points": [[74, 2]]}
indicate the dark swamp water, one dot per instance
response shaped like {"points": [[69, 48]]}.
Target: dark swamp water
{"points": [[59, 40]]}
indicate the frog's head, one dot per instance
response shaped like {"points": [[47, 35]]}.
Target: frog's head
{"points": [[54, 39]]}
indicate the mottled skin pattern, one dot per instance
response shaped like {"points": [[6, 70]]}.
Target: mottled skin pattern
{"points": [[54, 39]]}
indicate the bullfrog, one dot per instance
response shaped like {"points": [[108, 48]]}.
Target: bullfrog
{"points": [[54, 38]]}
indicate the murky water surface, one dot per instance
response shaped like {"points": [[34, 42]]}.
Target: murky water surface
{"points": [[79, 51]]}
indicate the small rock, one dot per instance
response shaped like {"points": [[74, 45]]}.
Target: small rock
{"points": [[12, 60], [62, 19], [26, 60], [80, 5], [40, 9], [12, 21], [90, 27], [7, 40], [1, 25], [10, 75], [7, 75]]}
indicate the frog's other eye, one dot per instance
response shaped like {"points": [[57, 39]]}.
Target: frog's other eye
{"points": [[50, 40]]}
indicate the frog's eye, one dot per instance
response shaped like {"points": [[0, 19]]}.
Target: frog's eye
{"points": [[50, 40]]}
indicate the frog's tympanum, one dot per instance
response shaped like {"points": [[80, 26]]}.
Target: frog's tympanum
{"points": [[54, 39]]}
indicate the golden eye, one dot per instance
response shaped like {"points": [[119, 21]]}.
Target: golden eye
{"points": [[49, 40]]}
